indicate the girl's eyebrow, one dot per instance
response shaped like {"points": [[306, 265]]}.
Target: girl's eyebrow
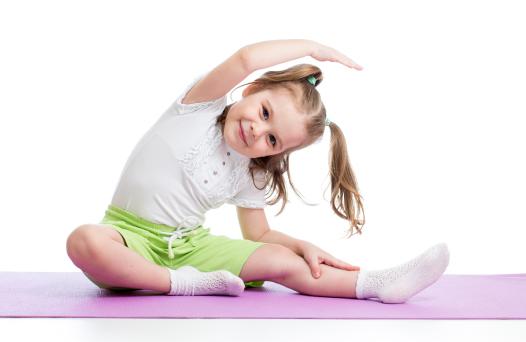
{"points": [[267, 101]]}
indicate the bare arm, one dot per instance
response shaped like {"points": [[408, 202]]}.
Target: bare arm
{"points": [[259, 56], [273, 236], [219, 81], [254, 226], [271, 52], [242, 63]]}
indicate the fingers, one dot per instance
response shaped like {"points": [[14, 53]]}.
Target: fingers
{"points": [[326, 53], [357, 67], [348, 62], [316, 272], [352, 64], [314, 265], [341, 264]]}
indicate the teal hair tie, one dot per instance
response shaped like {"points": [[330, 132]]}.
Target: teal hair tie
{"points": [[312, 80]]}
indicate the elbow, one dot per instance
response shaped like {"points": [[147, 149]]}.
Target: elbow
{"points": [[260, 238], [245, 59]]}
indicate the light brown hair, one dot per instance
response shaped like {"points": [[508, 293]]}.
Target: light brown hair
{"points": [[345, 199]]}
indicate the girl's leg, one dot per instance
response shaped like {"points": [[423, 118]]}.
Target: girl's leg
{"points": [[100, 252], [392, 285], [281, 265]]}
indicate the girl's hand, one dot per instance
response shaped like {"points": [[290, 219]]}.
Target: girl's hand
{"points": [[314, 256], [325, 53]]}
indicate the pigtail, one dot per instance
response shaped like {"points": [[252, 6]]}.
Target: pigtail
{"points": [[345, 198]]}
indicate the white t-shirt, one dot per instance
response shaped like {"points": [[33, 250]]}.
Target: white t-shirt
{"points": [[182, 167]]}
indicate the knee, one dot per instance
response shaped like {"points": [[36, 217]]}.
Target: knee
{"points": [[81, 244]]}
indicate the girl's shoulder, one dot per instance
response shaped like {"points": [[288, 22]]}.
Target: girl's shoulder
{"points": [[182, 105]]}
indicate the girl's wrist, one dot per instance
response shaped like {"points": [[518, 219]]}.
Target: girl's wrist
{"points": [[300, 245], [314, 47]]}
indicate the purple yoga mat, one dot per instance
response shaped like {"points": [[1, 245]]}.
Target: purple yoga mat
{"points": [[71, 294]]}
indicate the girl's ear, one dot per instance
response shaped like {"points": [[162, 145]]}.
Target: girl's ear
{"points": [[247, 91], [251, 89]]}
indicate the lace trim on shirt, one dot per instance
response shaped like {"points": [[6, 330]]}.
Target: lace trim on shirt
{"points": [[247, 203], [230, 188], [197, 155], [193, 107]]}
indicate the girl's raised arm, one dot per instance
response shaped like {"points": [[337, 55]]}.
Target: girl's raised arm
{"points": [[218, 82], [241, 64], [268, 53]]}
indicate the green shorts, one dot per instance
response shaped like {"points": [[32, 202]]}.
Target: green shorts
{"points": [[200, 249]]}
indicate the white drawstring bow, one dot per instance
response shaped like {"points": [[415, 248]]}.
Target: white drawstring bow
{"points": [[183, 229]]}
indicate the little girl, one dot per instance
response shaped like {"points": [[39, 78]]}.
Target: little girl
{"points": [[202, 153]]}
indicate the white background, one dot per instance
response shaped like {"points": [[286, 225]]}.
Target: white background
{"points": [[434, 123]]}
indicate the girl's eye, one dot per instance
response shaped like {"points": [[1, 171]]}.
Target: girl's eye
{"points": [[272, 138], [273, 143], [265, 111]]}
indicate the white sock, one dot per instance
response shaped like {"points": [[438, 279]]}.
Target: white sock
{"points": [[189, 281], [397, 284]]}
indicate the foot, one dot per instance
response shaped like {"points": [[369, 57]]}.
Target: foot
{"points": [[189, 281], [398, 284]]}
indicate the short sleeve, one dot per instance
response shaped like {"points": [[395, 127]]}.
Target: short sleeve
{"points": [[178, 108], [250, 196]]}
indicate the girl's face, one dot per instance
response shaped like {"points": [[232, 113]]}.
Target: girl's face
{"points": [[264, 124]]}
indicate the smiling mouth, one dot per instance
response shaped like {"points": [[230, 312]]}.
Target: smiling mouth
{"points": [[241, 134]]}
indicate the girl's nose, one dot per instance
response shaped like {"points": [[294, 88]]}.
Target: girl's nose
{"points": [[257, 129]]}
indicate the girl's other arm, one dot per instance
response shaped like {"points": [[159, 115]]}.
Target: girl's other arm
{"points": [[254, 226]]}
